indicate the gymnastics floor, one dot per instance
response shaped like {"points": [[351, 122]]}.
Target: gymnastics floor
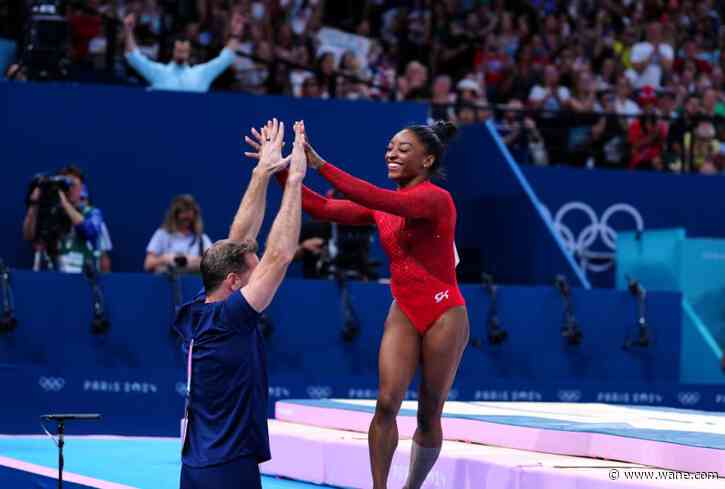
{"points": [[488, 445]]}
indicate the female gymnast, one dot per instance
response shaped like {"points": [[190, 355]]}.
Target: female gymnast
{"points": [[427, 324]]}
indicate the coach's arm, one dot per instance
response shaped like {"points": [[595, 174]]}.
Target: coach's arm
{"points": [[285, 233]]}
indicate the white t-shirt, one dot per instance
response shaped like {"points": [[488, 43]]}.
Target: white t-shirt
{"points": [[163, 242], [626, 107], [652, 74], [539, 93], [643, 50]]}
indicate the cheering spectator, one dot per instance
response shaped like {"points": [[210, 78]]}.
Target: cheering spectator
{"points": [[180, 242], [551, 96], [178, 75], [650, 59]]}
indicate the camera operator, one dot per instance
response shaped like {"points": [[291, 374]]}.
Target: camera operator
{"points": [[180, 242], [65, 229]]}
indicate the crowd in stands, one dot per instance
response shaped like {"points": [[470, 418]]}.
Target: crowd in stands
{"points": [[613, 83]]}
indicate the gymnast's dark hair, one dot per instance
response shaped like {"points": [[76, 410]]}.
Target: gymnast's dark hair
{"points": [[435, 138]]}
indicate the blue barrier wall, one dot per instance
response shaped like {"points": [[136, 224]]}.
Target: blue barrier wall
{"points": [[141, 148], [498, 213], [134, 374]]}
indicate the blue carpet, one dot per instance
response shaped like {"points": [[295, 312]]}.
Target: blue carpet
{"points": [[147, 464]]}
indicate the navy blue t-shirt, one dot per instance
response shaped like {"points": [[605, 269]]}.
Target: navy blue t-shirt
{"points": [[228, 401]]}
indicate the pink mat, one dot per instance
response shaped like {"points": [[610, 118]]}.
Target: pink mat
{"points": [[653, 453], [340, 458]]}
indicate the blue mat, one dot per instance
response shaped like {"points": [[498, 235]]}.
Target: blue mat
{"points": [[144, 463]]}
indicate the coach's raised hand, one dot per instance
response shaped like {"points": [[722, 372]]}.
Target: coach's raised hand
{"points": [[250, 214], [271, 139]]}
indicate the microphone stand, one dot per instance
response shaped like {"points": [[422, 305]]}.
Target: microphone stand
{"points": [[494, 332], [570, 330], [100, 323], [60, 443], [7, 321], [351, 324], [642, 336]]}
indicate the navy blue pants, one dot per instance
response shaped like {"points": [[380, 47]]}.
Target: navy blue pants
{"points": [[241, 473]]}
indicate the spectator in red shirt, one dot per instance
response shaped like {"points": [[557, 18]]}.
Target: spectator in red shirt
{"points": [[647, 135], [85, 24]]}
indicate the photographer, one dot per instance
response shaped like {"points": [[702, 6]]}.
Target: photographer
{"points": [[521, 136], [65, 229], [180, 241]]}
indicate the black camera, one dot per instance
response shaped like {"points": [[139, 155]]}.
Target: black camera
{"points": [[47, 37], [181, 261], [52, 221]]}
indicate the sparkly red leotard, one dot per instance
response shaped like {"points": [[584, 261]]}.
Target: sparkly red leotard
{"points": [[417, 228]]}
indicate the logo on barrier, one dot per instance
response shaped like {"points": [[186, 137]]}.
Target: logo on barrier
{"points": [[276, 391], [116, 386], [319, 391], [688, 398], [362, 393], [596, 233], [569, 395], [51, 384]]}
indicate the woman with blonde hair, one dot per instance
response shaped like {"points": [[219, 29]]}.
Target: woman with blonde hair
{"points": [[180, 241]]}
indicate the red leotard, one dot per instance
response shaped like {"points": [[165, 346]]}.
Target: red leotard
{"points": [[417, 228]]}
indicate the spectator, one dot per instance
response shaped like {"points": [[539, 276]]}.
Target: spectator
{"points": [[551, 96], [414, 84], [178, 75], [609, 138], [684, 124], [623, 104], [76, 242], [647, 135], [705, 148], [443, 100], [651, 59], [327, 68], [180, 242]]}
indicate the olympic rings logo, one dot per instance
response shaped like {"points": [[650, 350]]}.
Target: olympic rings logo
{"points": [[51, 384], [688, 398], [581, 245], [319, 391], [569, 395]]}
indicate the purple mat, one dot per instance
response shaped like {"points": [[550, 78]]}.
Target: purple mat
{"points": [[633, 436], [340, 458]]}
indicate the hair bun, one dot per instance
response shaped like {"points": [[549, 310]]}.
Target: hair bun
{"points": [[444, 130]]}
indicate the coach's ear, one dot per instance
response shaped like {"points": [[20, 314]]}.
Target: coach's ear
{"points": [[234, 282]]}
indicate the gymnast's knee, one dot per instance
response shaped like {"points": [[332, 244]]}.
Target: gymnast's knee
{"points": [[429, 412], [387, 406]]}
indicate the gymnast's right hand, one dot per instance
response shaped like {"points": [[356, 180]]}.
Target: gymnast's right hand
{"points": [[269, 147], [298, 163]]}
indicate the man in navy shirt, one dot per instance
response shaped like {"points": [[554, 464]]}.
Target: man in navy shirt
{"points": [[225, 433]]}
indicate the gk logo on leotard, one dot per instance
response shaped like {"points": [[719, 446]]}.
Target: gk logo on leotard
{"points": [[440, 296]]}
